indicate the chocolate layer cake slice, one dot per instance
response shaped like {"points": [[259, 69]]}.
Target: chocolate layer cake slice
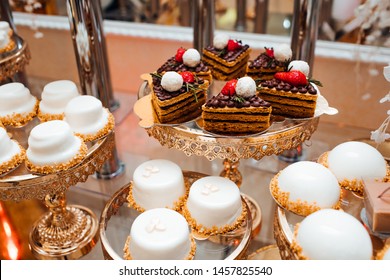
{"points": [[180, 104], [269, 62], [228, 62], [288, 100], [229, 113], [187, 60]]}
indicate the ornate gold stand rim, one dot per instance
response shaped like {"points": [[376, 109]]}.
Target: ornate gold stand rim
{"points": [[16, 61]]}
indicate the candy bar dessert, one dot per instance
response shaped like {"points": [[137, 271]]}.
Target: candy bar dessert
{"points": [[330, 234], [177, 97], [269, 62], [291, 93], [6, 42], [17, 105], [12, 154], [54, 98], [226, 57], [88, 118], [214, 206], [158, 183], [159, 234], [52, 147], [236, 110], [305, 187], [377, 205], [187, 60], [353, 162]]}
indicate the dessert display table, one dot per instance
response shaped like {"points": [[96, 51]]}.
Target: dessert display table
{"points": [[229, 246], [65, 232]]}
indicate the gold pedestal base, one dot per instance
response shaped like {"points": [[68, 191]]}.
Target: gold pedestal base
{"points": [[69, 239]]}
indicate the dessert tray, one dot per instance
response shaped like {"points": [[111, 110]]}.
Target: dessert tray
{"points": [[65, 232], [116, 219]]}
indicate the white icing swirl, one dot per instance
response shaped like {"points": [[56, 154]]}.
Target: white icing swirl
{"points": [[209, 188], [155, 225], [191, 57], [246, 87], [171, 81], [282, 52], [300, 65], [220, 41], [149, 170]]}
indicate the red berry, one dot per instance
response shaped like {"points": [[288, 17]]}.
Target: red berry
{"points": [[233, 45], [229, 88], [269, 52], [179, 54], [188, 77], [293, 77]]}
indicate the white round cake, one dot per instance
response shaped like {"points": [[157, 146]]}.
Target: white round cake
{"points": [[6, 43], [88, 118], [11, 153], [17, 105], [160, 234], [158, 183], [333, 235], [55, 96], [355, 161], [214, 205], [304, 187], [52, 146]]}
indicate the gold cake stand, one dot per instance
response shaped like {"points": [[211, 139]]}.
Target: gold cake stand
{"points": [[65, 232], [191, 139], [116, 219], [15, 60]]}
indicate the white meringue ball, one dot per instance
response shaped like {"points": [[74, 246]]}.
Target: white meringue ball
{"points": [[300, 65], [330, 234], [282, 52], [311, 182], [171, 81], [191, 57], [220, 41], [356, 160], [246, 87]]}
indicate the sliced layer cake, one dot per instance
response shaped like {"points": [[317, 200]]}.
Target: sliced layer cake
{"points": [[236, 110], [187, 60], [269, 62], [178, 98], [227, 58], [290, 93]]}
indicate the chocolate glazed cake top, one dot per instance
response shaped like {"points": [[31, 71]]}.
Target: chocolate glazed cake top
{"points": [[280, 85], [264, 61], [163, 94], [172, 65], [221, 101], [227, 55]]}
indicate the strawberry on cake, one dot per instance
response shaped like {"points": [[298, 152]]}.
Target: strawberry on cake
{"points": [[227, 57], [269, 62], [291, 93], [236, 109], [177, 97], [187, 60]]}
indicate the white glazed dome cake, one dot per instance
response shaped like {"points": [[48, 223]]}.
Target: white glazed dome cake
{"points": [[352, 162], [330, 234], [88, 118], [53, 147], [157, 183], [305, 187], [214, 206], [6, 42], [160, 234], [17, 105], [55, 96], [11, 153]]}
